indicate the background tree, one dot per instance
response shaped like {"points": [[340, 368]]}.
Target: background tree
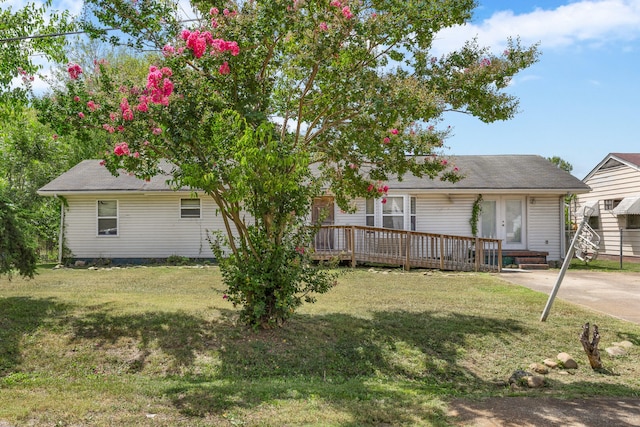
{"points": [[17, 253], [561, 163], [24, 36], [263, 105]]}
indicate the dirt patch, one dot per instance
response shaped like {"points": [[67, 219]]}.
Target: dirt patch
{"points": [[536, 412]]}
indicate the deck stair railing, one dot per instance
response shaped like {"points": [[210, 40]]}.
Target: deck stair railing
{"points": [[409, 249]]}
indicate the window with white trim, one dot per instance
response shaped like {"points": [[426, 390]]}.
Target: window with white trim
{"points": [[397, 212], [370, 213], [610, 204], [107, 217], [189, 208]]}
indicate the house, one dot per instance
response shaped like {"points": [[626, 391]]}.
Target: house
{"points": [[612, 207], [123, 218]]}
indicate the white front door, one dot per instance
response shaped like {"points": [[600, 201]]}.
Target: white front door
{"points": [[504, 218]]}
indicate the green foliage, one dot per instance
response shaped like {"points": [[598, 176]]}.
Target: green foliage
{"points": [[476, 210], [15, 251], [271, 103], [18, 48], [561, 163]]}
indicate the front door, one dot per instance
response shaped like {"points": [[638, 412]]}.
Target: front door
{"points": [[323, 213], [504, 218]]}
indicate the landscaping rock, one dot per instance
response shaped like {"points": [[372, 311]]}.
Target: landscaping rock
{"points": [[535, 381], [539, 368], [615, 351], [551, 363], [80, 263], [519, 377], [623, 344], [567, 361]]}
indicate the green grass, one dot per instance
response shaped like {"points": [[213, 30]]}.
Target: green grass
{"points": [[605, 265], [160, 346]]}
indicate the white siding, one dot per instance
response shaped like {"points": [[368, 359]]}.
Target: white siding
{"points": [[148, 227], [545, 225], [614, 183]]}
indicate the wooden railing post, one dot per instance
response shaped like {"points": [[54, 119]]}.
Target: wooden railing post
{"points": [[499, 256], [476, 255], [442, 252], [353, 246], [407, 255]]}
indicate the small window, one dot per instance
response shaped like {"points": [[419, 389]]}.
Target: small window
{"points": [[189, 208], [370, 213], [107, 217], [594, 222], [413, 214], [633, 222], [610, 204]]}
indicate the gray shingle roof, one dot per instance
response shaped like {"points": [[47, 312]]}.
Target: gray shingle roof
{"points": [[90, 176], [486, 173]]}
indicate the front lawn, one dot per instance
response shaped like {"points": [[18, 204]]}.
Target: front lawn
{"points": [[159, 346]]}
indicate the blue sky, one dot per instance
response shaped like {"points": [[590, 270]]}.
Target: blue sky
{"points": [[581, 101]]}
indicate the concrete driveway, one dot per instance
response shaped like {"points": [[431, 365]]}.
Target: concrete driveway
{"points": [[614, 293]]}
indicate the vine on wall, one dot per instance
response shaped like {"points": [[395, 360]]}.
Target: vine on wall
{"points": [[476, 209]]}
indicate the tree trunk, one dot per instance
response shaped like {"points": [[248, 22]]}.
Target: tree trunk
{"points": [[591, 348]]}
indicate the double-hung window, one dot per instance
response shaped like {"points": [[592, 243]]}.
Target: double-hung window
{"points": [[107, 217], [398, 212], [189, 208]]}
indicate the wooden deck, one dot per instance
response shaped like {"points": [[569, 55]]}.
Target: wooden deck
{"points": [[409, 249]]}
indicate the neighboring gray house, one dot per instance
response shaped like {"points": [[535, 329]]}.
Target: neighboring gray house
{"points": [[126, 218], [613, 205]]}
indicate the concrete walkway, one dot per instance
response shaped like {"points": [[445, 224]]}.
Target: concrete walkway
{"points": [[614, 293]]}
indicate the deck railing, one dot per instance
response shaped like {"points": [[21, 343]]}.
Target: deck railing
{"points": [[358, 244]]}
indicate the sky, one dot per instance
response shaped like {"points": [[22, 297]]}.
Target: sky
{"points": [[581, 100]]}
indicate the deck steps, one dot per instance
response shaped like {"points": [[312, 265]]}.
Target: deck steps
{"points": [[527, 260]]}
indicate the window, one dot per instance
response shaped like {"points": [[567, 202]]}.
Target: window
{"points": [[633, 221], [610, 204], [107, 217], [370, 213], [189, 208], [413, 213], [594, 222], [393, 213], [396, 213]]}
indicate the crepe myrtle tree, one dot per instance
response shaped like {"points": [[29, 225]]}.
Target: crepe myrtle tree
{"points": [[263, 105]]}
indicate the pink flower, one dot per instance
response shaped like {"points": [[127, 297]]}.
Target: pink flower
{"points": [[113, 117], [168, 50], [224, 68], [92, 106], [120, 128], [76, 98], [81, 115], [444, 162], [55, 136], [323, 26], [136, 154], [226, 12], [383, 201], [370, 188], [103, 162], [167, 87], [127, 114], [300, 250], [225, 296], [394, 131], [353, 166], [214, 11], [121, 149], [157, 131], [124, 105], [455, 169], [346, 12], [335, 3], [146, 143], [142, 107], [385, 189], [431, 128], [184, 34], [108, 128], [74, 71], [386, 140]]}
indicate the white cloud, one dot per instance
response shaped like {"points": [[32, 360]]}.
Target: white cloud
{"points": [[588, 22]]}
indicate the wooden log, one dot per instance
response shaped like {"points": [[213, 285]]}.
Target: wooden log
{"points": [[591, 348]]}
